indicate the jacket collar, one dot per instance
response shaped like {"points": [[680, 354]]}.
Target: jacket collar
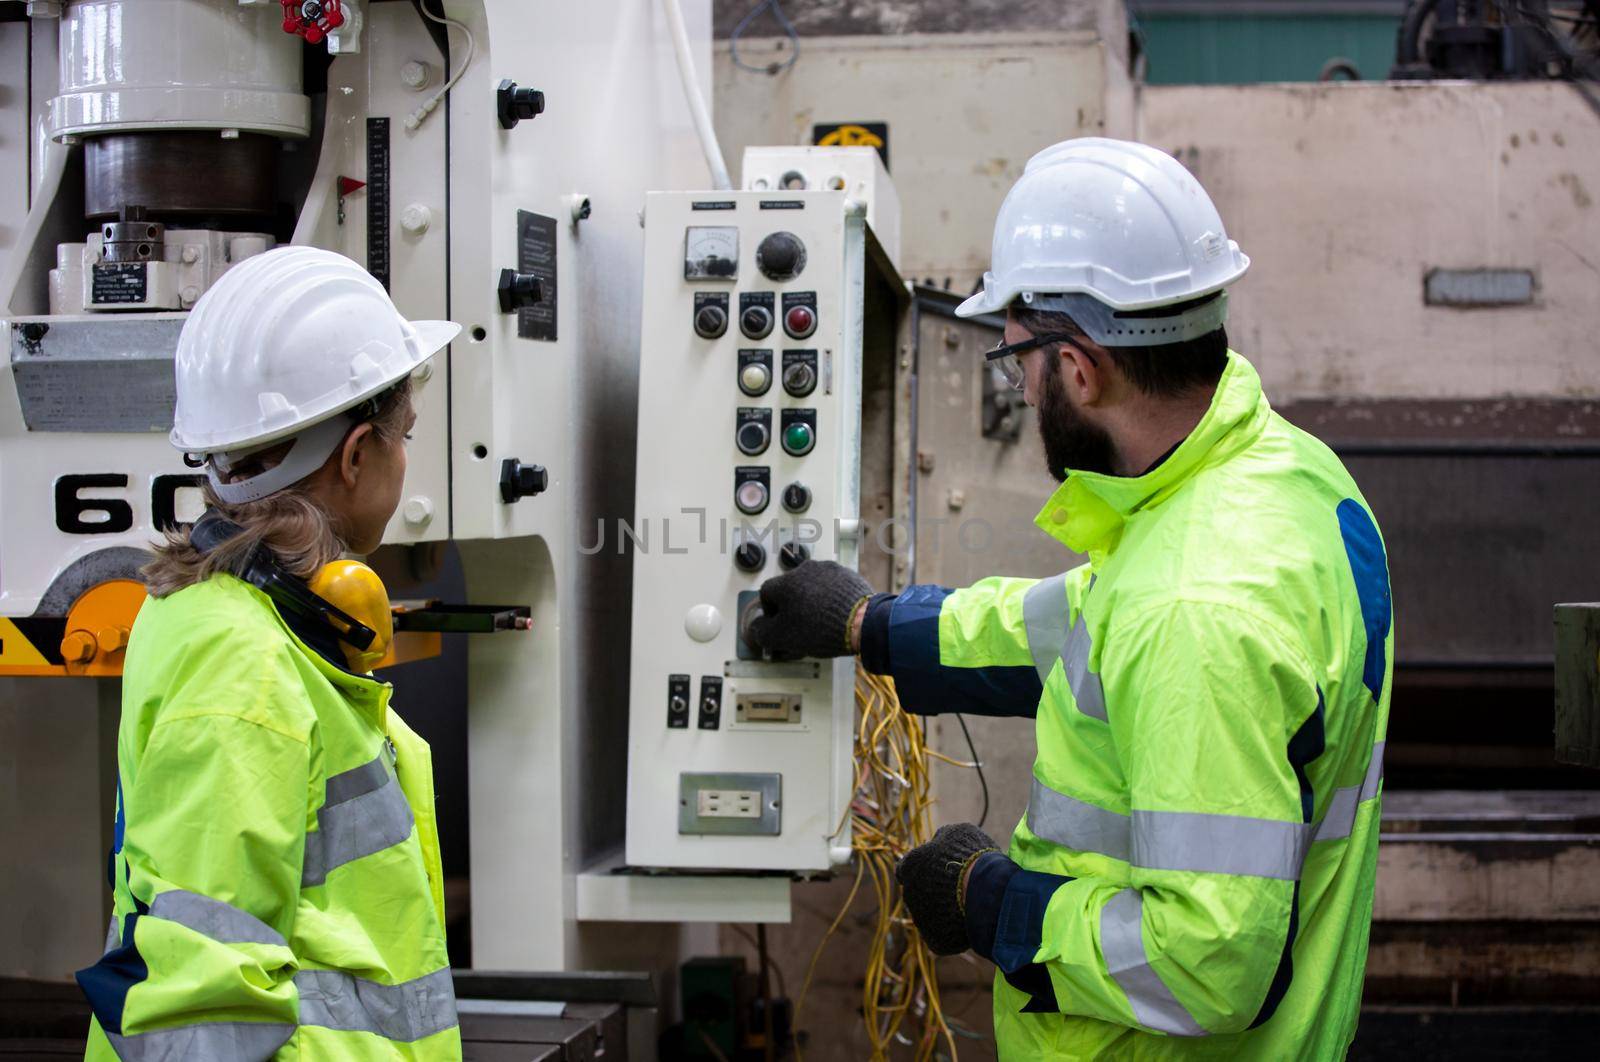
{"points": [[1089, 510]]}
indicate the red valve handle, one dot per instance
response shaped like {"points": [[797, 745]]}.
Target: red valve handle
{"points": [[312, 19]]}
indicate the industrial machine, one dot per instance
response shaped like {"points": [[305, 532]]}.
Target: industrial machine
{"points": [[159, 142], [754, 318]]}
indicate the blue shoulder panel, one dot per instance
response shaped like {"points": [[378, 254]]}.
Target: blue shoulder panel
{"points": [[1370, 568]]}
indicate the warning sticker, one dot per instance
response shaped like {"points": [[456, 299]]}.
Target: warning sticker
{"points": [[536, 254], [853, 134]]}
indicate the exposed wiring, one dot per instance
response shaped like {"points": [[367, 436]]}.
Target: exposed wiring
{"points": [[699, 113], [890, 813], [771, 69], [420, 115], [977, 765]]}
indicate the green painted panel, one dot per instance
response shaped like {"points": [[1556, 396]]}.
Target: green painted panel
{"points": [[1241, 49]]}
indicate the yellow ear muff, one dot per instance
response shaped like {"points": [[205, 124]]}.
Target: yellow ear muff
{"points": [[354, 588]]}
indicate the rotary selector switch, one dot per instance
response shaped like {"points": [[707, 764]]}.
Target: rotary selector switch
{"points": [[750, 556], [710, 321], [797, 497], [756, 322], [793, 554], [781, 256], [799, 379]]}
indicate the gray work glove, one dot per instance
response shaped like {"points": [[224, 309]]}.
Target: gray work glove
{"points": [[807, 612], [930, 877]]}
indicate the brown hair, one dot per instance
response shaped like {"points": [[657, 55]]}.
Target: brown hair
{"points": [[1165, 371], [290, 522]]}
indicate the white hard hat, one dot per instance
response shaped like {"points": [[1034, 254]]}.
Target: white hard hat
{"points": [[1114, 223], [284, 342]]}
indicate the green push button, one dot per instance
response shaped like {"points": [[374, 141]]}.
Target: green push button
{"points": [[797, 438]]}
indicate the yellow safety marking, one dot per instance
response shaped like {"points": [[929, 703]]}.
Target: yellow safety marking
{"points": [[16, 650], [851, 136]]}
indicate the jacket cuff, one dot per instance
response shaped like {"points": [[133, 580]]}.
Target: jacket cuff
{"points": [[986, 889], [1006, 906], [874, 648]]}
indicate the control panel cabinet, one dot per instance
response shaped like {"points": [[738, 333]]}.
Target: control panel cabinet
{"points": [[749, 462]]}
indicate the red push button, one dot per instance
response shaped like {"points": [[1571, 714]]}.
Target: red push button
{"points": [[799, 321]]}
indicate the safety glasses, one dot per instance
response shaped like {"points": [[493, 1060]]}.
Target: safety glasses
{"points": [[1005, 356]]}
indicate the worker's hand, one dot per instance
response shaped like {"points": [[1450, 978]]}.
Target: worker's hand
{"points": [[932, 876], [809, 611]]}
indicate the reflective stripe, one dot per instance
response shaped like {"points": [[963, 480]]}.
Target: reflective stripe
{"points": [[1343, 805], [404, 1012], [1044, 616], [113, 936], [357, 781], [236, 1041], [358, 826], [1122, 944], [222, 922], [1219, 844], [1078, 825], [1085, 684]]}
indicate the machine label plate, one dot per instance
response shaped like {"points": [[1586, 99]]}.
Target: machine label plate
{"points": [[119, 282], [536, 254], [110, 373]]}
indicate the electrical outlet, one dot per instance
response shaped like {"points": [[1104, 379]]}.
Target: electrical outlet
{"points": [[729, 804]]}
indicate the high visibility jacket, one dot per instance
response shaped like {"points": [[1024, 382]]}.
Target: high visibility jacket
{"points": [[1212, 689], [278, 891]]}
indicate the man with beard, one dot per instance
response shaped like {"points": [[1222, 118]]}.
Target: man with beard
{"points": [[1194, 874]]}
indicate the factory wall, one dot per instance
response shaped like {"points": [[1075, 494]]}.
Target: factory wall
{"points": [[1346, 194]]}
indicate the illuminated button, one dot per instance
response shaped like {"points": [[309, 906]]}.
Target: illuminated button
{"points": [[755, 378], [799, 321], [751, 497], [752, 437], [797, 438]]}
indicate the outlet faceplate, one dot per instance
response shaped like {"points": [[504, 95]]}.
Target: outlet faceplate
{"points": [[730, 803]]}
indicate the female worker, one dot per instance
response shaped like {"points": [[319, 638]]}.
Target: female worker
{"points": [[275, 863]]}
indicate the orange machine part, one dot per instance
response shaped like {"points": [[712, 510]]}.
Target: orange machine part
{"points": [[98, 626]]}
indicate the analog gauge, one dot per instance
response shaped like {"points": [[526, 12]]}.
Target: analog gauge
{"points": [[711, 252]]}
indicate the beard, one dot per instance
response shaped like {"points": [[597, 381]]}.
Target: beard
{"points": [[1070, 441]]}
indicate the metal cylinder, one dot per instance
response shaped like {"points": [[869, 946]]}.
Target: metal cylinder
{"points": [[134, 238], [180, 176], [177, 64]]}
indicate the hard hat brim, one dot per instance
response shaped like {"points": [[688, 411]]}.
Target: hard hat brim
{"points": [[427, 339]]}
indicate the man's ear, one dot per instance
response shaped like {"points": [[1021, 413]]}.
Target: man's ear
{"points": [[1083, 368], [354, 454]]}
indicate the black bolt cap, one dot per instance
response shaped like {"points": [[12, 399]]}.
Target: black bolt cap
{"points": [[513, 104], [518, 480], [517, 290]]}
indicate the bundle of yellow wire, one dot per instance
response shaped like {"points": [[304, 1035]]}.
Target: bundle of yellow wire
{"points": [[889, 815]]}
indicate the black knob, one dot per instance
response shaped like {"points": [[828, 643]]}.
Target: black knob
{"points": [[752, 437], [781, 256], [678, 705], [513, 104], [797, 497], [793, 554], [517, 290], [710, 321], [799, 379], [750, 556], [756, 321], [518, 480]]}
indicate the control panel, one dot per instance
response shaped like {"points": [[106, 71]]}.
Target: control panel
{"points": [[750, 426]]}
